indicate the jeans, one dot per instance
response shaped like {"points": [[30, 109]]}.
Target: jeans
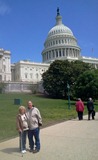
{"points": [[22, 141], [33, 136]]}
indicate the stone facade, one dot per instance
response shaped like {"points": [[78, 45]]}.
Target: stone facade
{"points": [[26, 71], [17, 87], [5, 65]]}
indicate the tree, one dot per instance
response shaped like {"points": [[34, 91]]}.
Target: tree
{"points": [[2, 87], [78, 68], [87, 85], [59, 73], [54, 80]]}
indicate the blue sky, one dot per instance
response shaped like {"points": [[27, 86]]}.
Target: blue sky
{"points": [[24, 25]]}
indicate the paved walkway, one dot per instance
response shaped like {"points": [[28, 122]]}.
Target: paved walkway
{"points": [[70, 140]]}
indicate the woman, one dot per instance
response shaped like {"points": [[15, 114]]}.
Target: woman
{"points": [[80, 108], [22, 127]]}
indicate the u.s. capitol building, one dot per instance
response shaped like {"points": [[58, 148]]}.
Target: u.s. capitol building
{"points": [[60, 44]]}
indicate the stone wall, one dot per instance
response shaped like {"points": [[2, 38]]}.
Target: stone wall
{"points": [[23, 87]]}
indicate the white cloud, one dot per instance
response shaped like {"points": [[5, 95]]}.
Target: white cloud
{"points": [[4, 8]]}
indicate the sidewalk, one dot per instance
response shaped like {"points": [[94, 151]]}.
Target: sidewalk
{"points": [[70, 140]]}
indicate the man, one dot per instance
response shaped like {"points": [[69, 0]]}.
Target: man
{"points": [[80, 108], [90, 107], [34, 121]]}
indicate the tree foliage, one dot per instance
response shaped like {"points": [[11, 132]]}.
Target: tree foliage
{"points": [[87, 85], [2, 87], [60, 73]]}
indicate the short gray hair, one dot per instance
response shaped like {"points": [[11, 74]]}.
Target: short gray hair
{"points": [[79, 99], [90, 99]]}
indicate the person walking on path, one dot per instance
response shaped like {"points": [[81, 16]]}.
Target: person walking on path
{"points": [[34, 122], [22, 127], [90, 107], [80, 108]]}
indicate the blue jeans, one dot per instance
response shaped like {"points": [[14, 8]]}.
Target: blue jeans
{"points": [[22, 142], [33, 136]]}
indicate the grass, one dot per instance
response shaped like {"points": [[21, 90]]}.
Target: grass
{"points": [[52, 110]]}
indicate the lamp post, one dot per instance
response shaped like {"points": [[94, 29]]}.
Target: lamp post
{"points": [[68, 93]]}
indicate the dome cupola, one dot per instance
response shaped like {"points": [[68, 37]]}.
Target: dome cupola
{"points": [[59, 27]]}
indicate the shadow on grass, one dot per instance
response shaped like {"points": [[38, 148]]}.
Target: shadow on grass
{"points": [[72, 102], [43, 96]]}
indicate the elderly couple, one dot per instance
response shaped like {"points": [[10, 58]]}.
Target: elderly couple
{"points": [[80, 109], [28, 123]]}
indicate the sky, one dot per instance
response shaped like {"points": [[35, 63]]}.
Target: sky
{"points": [[24, 26]]}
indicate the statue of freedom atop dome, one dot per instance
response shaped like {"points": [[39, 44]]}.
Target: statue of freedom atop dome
{"points": [[58, 13]]}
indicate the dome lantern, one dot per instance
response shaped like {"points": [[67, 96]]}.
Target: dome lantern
{"points": [[58, 18]]}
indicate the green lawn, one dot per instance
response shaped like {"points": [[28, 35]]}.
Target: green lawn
{"points": [[52, 111]]}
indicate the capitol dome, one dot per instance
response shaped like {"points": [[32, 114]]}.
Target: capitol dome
{"points": [[60, 43]]}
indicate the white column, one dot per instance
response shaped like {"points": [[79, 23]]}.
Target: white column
{"points": [[51, 55], [61, 52], [58, 52], [0, 64], [75, 53], [68, 52], [65, 52], [43, 57], [54, 53], [47, 55], [78, 53], [72, 53]]}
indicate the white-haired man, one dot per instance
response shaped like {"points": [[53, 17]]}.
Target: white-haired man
{"points": [[34, 121], [90, 107]]}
